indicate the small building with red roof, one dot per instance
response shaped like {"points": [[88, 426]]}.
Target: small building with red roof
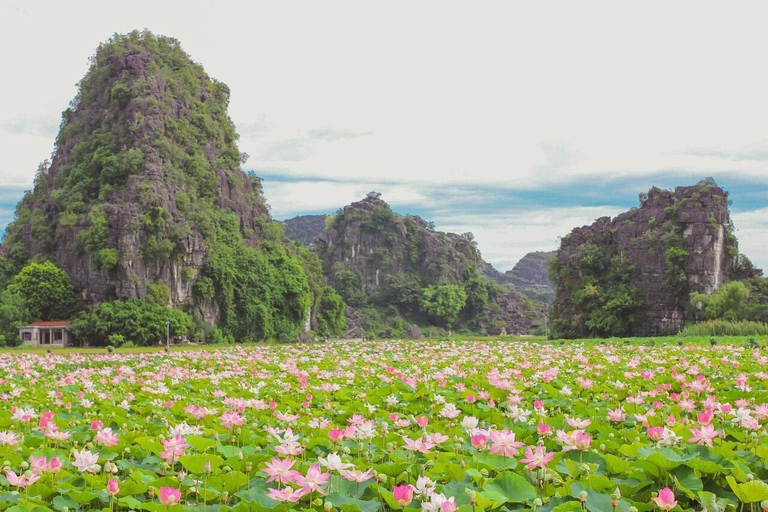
{"points": [[47, 334]]}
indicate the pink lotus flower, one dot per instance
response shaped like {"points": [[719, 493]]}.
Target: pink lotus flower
{"points": [[38, 463], [45, 420], [617, 415], [538, 459], [54, 465], [704, 435], [8, 438], [439, 503], [504, 443], [106, 437], [666, 499], [230, 418], [97, 425], [403, 494], [169, 496], [313, 480], [25, 480], [479, 441], [705, 418], [655, 433], [85, 461], [280, 471], [287, 493], [574, 440], [356, 475], [578, 422], [422, 421], [173, 448], [113, 487], [419, 445]]}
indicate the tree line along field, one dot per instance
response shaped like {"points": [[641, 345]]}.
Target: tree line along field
{"points": [[438, 425]]}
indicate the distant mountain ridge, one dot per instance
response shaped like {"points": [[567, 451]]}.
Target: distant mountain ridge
{"points": [[531, 276], [305, 228]]}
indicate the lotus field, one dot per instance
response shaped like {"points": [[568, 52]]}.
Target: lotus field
{"points": [[430, 425]]}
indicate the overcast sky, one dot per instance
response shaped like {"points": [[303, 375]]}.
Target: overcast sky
{"points": [[516, 121]]}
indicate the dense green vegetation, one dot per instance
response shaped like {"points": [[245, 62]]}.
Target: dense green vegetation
{"points": [[133, 321], [263, 293], [404, 272], [604, 299]]}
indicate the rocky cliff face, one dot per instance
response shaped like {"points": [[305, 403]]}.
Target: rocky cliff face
{"points": [[371, 249], [531, 276], [145, 163], [634, 274], [368, 238]]}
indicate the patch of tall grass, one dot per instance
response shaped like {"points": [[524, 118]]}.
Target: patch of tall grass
{"points": [[725, 328]]}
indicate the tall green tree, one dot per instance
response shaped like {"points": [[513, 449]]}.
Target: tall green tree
{"points": [[46, 290], [13, 314], [444, 303]]}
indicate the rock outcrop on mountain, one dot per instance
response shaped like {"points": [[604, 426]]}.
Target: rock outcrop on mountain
{"points": [[374, 257], [305, 228], [633, 274], [145, 189], [530, 276]]}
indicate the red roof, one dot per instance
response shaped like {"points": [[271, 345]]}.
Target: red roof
{"points": [[62, 323]]}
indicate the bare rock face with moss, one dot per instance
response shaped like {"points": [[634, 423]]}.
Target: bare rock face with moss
{"points": [[145, 195], [634, 274]]}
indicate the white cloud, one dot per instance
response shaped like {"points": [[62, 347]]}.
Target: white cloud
{"points": [[462, 93], [504, 238], [752, 232], [296, 198]]}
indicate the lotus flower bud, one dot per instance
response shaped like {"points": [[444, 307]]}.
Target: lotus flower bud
{"points": [[207, 467], [327, 506], [583, 496], [537, 502]]}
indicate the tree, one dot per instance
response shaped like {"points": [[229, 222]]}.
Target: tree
{"points": [[13, 314], [330, 312], [349, 284], [444, 303], [46, 291], [728, 303], [137, 321]]}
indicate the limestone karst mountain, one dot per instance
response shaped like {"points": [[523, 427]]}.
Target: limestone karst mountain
{"points": [[145, 189], [635, 273]]}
